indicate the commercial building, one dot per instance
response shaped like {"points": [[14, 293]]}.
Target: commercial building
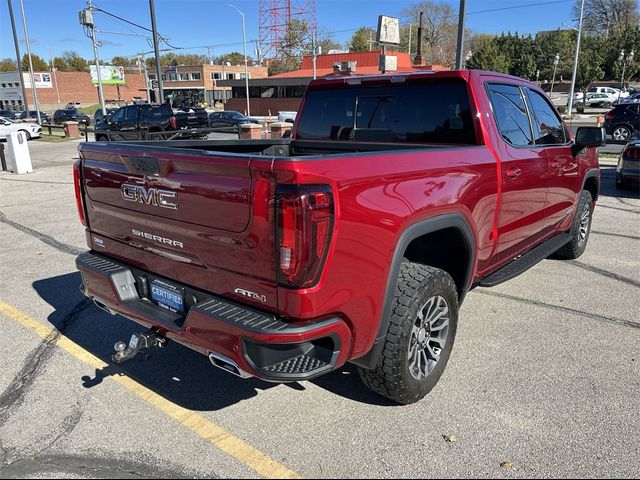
{"points": [[56, 89], [284, 92], [197, 84]]}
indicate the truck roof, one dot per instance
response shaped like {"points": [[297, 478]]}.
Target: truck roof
{"points": [[403, 76]]}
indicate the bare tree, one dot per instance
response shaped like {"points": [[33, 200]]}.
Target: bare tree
{"points": [[440, 29], [608, 16]]}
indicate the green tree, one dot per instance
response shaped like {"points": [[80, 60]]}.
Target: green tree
{"points": [[328, 43], [74, 62], [489, 57], [626, 40], [120, 61], [39, 65], [519, 51], [8, 65], [60, 64], [552, 43], [360, 41], [234, 58], [589, 62], [296, 42]]}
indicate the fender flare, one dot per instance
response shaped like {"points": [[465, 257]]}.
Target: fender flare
{"points": [[594, 172], [424, 227]]}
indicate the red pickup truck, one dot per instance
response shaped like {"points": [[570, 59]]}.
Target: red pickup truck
{"points": [[355, 240]]}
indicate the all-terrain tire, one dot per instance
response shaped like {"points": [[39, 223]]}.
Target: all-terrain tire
{"points": [[580, 229], [414, 354]]}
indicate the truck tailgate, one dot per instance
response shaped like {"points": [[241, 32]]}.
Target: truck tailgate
{"points": [[200, 218]]}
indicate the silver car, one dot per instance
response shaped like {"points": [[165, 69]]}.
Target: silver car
{"points": [[628, 169]]}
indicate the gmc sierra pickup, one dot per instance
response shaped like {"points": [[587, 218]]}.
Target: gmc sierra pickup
{"points": [[355, 240]]}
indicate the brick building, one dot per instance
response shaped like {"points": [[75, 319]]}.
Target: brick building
{"points": [[56, 89], [196, 84]]}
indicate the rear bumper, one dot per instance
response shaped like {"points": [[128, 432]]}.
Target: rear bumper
{"points": [[258, 343]]}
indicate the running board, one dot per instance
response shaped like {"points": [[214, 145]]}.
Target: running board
{"points": [[524, 262]]}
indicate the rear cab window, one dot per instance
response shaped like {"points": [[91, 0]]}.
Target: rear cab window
{"points": [[436, 112]]}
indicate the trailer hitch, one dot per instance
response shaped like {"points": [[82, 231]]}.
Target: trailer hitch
{"points": [[138, 341]]}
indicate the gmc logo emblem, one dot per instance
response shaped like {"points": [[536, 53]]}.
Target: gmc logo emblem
{"points": [[151, 196]]}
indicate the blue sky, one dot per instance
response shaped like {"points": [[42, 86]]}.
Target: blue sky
{"points": [[53, 24]]}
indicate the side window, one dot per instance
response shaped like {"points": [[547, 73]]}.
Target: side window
{"points": [[145, 113], [547, 127], [131, 114], [511, 114], [118, 116]]}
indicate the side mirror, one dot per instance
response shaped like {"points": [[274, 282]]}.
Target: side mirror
{"points": [[590, 137]]}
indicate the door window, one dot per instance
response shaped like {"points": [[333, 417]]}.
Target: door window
{"points": [[131, 114], [548, 129], [118, 116], [511, 114]]}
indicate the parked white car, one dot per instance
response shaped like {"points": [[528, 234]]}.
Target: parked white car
{"points": [[8, 126], [287, 116]]}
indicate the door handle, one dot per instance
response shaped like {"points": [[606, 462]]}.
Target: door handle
{"points": [[514, 172]]}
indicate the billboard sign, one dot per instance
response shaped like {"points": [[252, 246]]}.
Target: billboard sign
{"points": [[109, 74], [42, 80]]}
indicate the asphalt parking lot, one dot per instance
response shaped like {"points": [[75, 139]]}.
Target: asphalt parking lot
{"points": [[543, 381]]}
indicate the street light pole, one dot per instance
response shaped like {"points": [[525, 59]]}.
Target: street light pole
{"points": [[152, 11], [624, 60], [555, 65], [244, 46], [575, 61], [25, 100], [34, 91]]}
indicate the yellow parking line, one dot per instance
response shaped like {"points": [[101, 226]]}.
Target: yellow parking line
{"points": [[209, 431]]}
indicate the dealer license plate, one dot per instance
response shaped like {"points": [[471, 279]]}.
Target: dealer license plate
{"points": [[167, 296]]}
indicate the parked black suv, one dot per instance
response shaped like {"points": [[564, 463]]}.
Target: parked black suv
{"points": [[33, 115], [98, 117], [8, 114], [136, 122], [622, 121], [70, 115]]}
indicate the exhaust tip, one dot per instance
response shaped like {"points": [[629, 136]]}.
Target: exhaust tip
{"points": [[102, 306], [228, 365]]}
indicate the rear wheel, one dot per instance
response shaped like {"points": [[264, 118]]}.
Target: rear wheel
{"points": [[621, 133], [580, 229], [419, 339]]}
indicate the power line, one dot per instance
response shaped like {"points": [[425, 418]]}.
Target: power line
{"points": [[122, 19]]}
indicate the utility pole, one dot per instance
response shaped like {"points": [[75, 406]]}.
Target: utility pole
{"points": [[25, 100], [410, 26], [575, 62], [34, 91], [53, 73], [142, 68], [86, 20], [460, 47], [152, 10], [317, 50]]}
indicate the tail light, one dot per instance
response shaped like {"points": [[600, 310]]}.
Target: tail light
{"points": [[304, 227], [78, 189], [608, 116], [173, 122], [632, 153]]}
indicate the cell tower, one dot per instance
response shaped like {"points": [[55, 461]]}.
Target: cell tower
{"points": [[275, 17]]}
